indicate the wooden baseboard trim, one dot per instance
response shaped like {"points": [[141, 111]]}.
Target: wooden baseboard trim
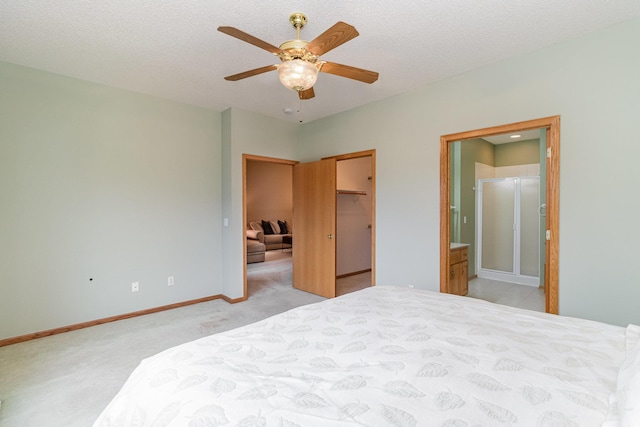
{"points": [[355, 273], [232, 301], [42, 334]]}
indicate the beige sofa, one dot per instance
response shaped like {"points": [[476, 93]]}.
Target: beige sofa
{"points": [[271, 241], [255, 248]]}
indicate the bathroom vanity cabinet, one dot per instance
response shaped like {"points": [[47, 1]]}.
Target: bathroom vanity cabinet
{"points": [[459, 269]]}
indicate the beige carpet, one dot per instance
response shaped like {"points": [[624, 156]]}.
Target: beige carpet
{"points": [[66, 380]]}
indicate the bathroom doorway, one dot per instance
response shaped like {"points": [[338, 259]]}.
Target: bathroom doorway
{"points": [[550, 170]]}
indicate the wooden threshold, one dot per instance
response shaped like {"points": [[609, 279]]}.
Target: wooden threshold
{"points": [[42, 334]]}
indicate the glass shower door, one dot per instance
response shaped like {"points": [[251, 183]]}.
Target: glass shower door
{"points": [[509, 229], [498, 219]]}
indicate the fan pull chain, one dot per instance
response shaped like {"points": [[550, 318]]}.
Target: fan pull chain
{"points": [[299, 110]]}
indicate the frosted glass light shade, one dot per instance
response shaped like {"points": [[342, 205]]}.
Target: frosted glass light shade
{"points": [[297, 74]]}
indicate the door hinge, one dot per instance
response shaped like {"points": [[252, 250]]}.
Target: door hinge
{"points": [[548, 152], [548, 235]]}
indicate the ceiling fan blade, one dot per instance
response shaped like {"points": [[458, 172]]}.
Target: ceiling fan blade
{"points": [[250, 73], [306, 94], [234, 32], [354, 73], [335, 36]]}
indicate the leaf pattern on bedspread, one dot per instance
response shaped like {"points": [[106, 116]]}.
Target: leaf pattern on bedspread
{"points": [[496, 412], [383, 356], [402, 389], [508, 365], [561, 374], [585, 400], [432, 370], [418, 337], [191, 381], [398, 417], [356, 321], [556, 419], [535, 395], [393, 349], [355, 409], [256, 353], [208, 416], [354, 347], [455, 423], [466, 358], [168, 414], [352, 382], [486, 382], [298, 344], [221, 385], [333, 331], [256, 393], [252, 421], [446, 401], [310, 400], [323, 362]]}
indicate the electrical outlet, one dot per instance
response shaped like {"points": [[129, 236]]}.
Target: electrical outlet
{"points": [[170, 281], [135, 286]]}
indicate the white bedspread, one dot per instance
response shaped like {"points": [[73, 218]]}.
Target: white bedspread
{"points": [[382, 356]]}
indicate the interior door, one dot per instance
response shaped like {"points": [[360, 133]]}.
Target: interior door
{"points": [[314, 223]]}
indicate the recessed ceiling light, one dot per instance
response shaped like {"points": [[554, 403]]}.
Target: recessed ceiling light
{"points": [[516, 136], [288, 110]]}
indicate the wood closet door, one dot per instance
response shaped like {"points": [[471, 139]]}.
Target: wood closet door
{"points": [[314, 227]]}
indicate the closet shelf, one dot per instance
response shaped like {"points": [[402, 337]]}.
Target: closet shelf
{"points": [[356, 192]]}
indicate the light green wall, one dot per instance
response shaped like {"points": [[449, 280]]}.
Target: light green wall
{"points": [[102, 183], [518, 153], [246, 133], [592, 83]]}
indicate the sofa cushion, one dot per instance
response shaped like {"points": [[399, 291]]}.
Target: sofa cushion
{"points": [[256, 226], [266, 227], [253, 246], [275, 227], [271, 239], [255, 235], [283, 227]]}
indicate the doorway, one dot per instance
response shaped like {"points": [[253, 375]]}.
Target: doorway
{"points": [[326, 264], [272, 201], [551, 127]]}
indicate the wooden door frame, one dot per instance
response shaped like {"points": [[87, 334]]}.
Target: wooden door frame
{"points": [[552, 125], [356, 155], [245, 159]]}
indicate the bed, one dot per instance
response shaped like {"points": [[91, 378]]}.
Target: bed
{"points": [[392, 356]]}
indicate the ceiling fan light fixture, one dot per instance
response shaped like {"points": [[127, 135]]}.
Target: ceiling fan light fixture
{"points": [[297, 74]]}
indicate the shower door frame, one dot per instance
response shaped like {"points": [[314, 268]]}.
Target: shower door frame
{"points": [[515, 275]]}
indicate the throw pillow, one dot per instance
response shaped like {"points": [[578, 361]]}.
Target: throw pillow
{"points": [[266, 226], [275, 227], [256, 226], [283, 227]]}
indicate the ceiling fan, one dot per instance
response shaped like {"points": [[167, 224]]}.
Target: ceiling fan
{"points": [[300, 61]]}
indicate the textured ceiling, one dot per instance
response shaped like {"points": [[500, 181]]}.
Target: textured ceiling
{"points": [[171, 49]]}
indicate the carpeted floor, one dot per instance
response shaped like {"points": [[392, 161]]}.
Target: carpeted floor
{"points": [[66, 380]]}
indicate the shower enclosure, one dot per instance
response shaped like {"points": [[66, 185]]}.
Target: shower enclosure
{"points": [[508, 228]]}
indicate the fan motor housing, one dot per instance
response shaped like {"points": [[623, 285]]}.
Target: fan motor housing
{"points": [[296, 49]]}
